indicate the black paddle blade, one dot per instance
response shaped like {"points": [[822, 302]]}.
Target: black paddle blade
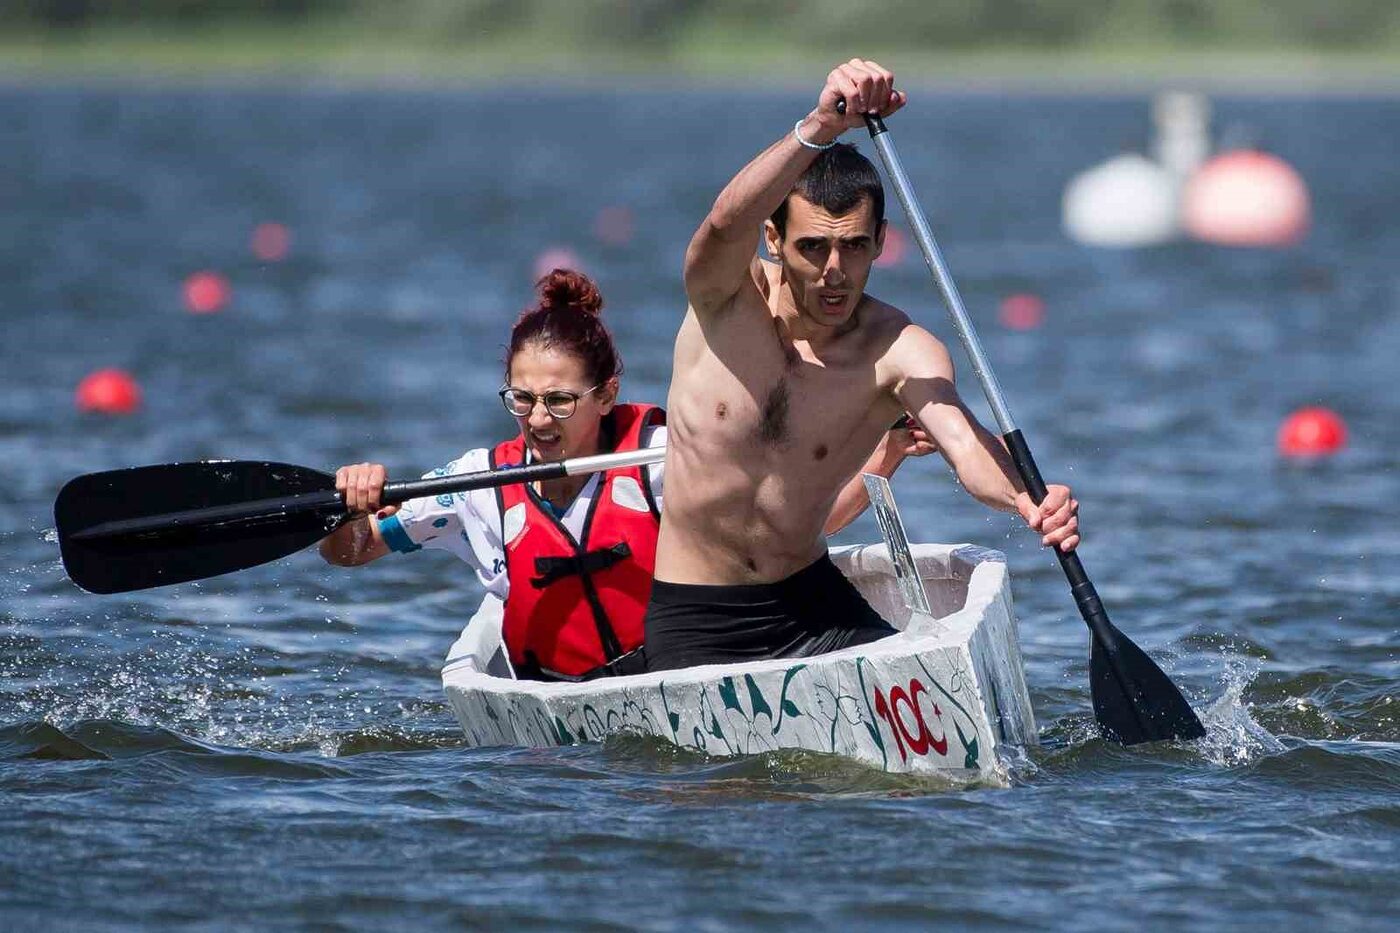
{"points": [[151, 526], [1134, 700]]}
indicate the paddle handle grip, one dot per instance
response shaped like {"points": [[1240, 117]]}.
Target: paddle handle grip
{"points": [[873, 122]]}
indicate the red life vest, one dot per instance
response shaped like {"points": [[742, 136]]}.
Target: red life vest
{"points": [[574, 605]]}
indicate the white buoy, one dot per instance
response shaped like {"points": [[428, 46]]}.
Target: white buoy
{"points": [[1127, 201]]}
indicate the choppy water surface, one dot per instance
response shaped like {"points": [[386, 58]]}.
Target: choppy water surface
{"points": [[272, 749]]}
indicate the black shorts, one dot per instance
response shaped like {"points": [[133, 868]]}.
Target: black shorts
{"points": [[814, 611]]}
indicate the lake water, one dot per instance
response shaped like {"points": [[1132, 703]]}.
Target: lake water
{"points": [[272, 750]]}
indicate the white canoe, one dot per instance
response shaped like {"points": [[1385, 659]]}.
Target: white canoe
{"points": [[942, 696]]}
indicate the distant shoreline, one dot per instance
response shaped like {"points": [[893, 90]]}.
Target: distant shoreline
{"points": [[297, 56]]}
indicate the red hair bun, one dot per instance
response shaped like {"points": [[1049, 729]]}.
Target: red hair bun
{"points": [[567, 318], [565, 288]]}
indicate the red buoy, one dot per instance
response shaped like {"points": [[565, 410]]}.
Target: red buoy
{"points": [[556, 257], [206, 293], [109, 391], [896, 245], [614, 225], [1246, 198], [1021, 311], [1312, 432], [271, 241]]}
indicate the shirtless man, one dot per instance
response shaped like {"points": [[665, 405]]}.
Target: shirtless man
{"points": [[786, 373]]}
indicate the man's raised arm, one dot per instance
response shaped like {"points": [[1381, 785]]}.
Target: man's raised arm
{"points": [[722, 251]]}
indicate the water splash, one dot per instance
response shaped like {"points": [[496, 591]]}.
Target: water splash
{"points": [[1233, 737], [232, 696], [1016, 764]]}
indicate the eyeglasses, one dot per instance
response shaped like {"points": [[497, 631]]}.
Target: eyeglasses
{"points": [[560, 403]]}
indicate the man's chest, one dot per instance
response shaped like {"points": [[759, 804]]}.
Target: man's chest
{"points": [[750, 387]]}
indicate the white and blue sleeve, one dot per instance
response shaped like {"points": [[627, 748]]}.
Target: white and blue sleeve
{"points": [[466, 523], [435, 521]]}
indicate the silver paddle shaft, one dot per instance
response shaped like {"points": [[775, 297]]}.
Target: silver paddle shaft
{"points": [[617, 461], [941, 277]]}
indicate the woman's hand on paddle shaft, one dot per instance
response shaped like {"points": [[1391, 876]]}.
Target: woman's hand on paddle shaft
{"points": [[904, 439], [907, 439], [1056, 518], [361, 485], [866, 87]]}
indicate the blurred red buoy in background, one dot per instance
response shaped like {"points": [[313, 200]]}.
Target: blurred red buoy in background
{"points": [[556, 257], [1246, 198], [896, 246], [271, 241], [1021, 311], [109, 391], [614, 225], [1312, 432], [206, 293]]}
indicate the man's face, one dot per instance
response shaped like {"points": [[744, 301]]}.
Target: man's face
{"points": [[826, 258]]}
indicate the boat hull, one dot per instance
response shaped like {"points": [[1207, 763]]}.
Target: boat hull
{"points": [[944, 695]]}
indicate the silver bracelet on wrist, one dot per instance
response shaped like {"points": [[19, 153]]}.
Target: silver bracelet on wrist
{"points": [[797, 134]]}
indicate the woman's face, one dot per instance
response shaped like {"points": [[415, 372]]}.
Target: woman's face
{"points": [[541, 370]]}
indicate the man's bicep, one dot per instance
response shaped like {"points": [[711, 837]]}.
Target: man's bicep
{"points": [[939, 410], [921, 370], [926, 388], [931, 395]]}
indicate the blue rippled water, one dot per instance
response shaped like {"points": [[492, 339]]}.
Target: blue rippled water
{"points": [[271, 749]]}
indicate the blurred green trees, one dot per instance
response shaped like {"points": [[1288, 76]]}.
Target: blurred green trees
{"points": [[821, 24]]}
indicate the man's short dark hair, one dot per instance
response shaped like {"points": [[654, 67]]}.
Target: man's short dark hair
{"points": [[837, 181]]}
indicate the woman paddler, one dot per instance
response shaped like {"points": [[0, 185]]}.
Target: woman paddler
{"points": [[572, 558]]}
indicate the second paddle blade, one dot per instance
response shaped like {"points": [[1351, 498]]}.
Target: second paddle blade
{"points": [[1134, 700], [156, 525]]}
